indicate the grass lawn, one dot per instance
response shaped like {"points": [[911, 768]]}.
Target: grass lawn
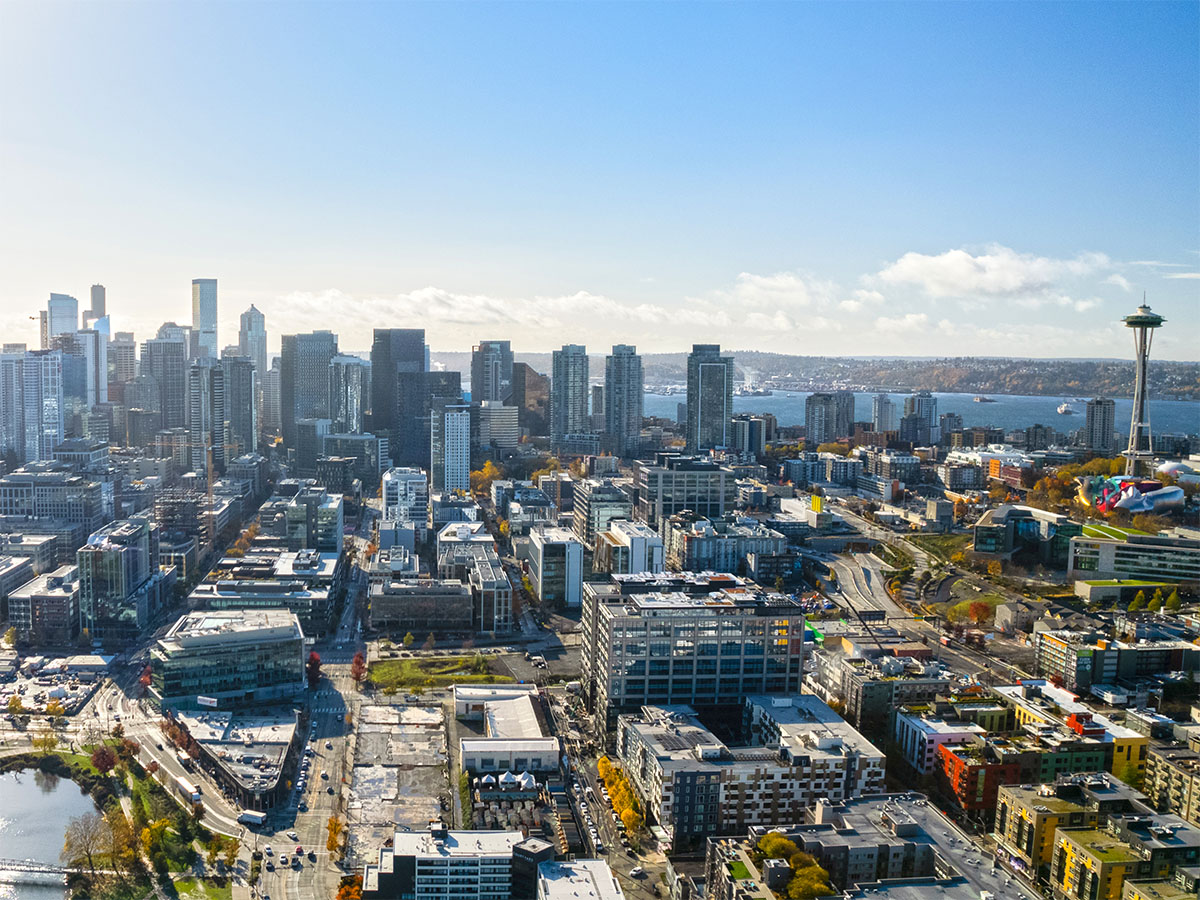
{"points": [[203, 889], [738, 870], [407, 673], [1126, 581], [1093, 529], [941, 546]]}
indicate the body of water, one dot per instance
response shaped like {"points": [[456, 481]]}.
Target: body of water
{"points": [[1007, 412], [34, 810]]}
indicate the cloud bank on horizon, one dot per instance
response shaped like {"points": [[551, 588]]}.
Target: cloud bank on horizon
{"points": [[991, 301]]}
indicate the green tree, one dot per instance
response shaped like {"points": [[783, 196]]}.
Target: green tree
{"points": [[1156, 601], [15, 705], [409, 640], [1139, 602], [775, 846], [10, 636], [1173, 602]]}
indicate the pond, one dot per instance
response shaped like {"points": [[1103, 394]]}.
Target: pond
{"points": [[34, 810]]}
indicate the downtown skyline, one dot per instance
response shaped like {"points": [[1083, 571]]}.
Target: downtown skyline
{"points": [[1001, 180]]}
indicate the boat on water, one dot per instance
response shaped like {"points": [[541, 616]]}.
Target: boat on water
{"points": [[752, 392], [979, 398], [1065, 409]]}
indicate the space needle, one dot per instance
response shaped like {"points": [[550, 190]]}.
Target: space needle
{"points": [[1143, 322]]}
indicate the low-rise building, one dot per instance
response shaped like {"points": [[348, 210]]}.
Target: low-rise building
{"points": [[514, 739], [1172, 780], [1009, 527], [424, 864], [248, 755], [420, 605], [919, 737], [694, 786], [40, 549], [628, 547], [695, 543], [1139, 556], [45, 610], [597, 502], [311, 605], [884, 846], [579, 879], [217, 659], [555, 558]]}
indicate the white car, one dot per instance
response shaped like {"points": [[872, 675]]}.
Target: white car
{"points": [[267, 850], [293, 836], [637, 872]]}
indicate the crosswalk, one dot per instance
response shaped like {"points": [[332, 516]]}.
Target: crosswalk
{"points": [[329, 709]]}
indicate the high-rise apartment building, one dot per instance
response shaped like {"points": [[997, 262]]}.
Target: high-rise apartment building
{"points": [[61, 316], [624, 386], [92, 346], [12, 404], [349, 393], [820, 419], [166, 361], [252, 339], [204, 316], [491, 371], [709, 397], [42, 403], [1100, 426], [241, 405], [569, 392], [206, 416], [304, 379], [450, 447], [883, 413], [843, 413], [405, 496]]}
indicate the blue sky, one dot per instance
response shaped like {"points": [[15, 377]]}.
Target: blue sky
{"points": [[812, 177]]}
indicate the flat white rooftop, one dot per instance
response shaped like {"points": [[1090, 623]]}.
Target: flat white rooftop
{"points": [[584, 879], [455, 844]]}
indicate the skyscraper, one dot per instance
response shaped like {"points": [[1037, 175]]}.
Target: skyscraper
{"points": [[61, 316], [820, 418], [12, 406], [843, 413], [1100, 426], [623, 400], [204, 316], [349, 393], [709, 397], [491, 371], [531, 397], [166, 360], [122, 358], [206, 419], [450, 446], [883, 413], [92, 345], [271, 395], [241, 404], [42, 403], [393, 351], [304, 379], [569, 392], [99, 308], [252, 339]]}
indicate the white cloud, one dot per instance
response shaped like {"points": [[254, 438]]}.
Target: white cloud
{"points": [[909, 322], [997, 272], [1188, 275], [1118, 280]]}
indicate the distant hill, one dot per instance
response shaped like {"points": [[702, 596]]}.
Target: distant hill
{"points": [[968, 375]]}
